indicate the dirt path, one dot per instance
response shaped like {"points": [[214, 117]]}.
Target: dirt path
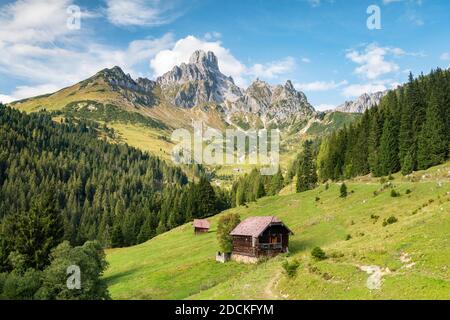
{"points": [[269, 290]]}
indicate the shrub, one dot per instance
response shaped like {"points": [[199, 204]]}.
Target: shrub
{"points": [[343, 190], [317, 199], [348, 237], [394, 193], [327, 186], [389, 220], [290, 268], [390, 177], [318, 254], [382, 180], [408, 191]]}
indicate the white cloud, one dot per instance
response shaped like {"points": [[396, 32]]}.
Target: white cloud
{"points": [[141, 12], [46, 55], [306, 60], [320, 85], [6, 98], [445, 56], [229, 65], [272, 69], [34, 21], [22, 92], [372, 60], [355, 90]]}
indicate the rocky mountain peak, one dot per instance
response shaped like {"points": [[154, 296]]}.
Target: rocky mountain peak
{"points": [[197, 82], [289, 86], [362, 103], [139, 92], [207, 60]]}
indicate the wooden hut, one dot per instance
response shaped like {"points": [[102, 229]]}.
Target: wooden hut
{"points": [[201, 226], [257, 237]]}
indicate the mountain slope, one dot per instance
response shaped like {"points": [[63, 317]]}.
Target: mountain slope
{"points": [[416, 249], [145, 112], [362, 103]]}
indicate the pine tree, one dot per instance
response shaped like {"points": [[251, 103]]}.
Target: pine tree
{"points": [[207, 198], [389, 162], [39, 231], [276, 183], [117, 236], [306, 174], [376, 130], [432, 140]]}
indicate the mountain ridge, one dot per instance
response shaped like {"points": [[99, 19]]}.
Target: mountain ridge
{"points": [[362, 103]]}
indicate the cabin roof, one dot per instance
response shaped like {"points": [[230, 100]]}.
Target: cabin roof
{"points": [[254, 226], [201, 223]]}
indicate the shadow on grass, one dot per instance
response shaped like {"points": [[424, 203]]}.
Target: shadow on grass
{"points": [[117, 277], [296, 246]]}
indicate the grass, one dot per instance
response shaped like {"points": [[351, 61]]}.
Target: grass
{"points": [[144, 138], [179, 265]]}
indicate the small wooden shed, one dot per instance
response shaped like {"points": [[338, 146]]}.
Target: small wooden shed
{"points": [[201, 226], [257, 237]]}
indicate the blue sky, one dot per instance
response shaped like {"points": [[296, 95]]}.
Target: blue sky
{"points": [[323, 46]]}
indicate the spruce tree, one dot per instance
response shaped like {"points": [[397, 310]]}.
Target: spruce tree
{"points": [[306, 174], [406, 135], [207, 198], [39, 231], [432, 148], [389, 161]]}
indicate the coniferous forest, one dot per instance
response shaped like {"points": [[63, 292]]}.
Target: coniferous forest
{"points": [[97, 190], [409, 130]]}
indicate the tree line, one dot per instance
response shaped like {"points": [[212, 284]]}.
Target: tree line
{"points": [[409, 130], [103, 191], [252, 186]]}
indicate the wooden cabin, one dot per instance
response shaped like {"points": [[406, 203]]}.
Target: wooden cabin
{"points": [[201, 226], [257, 237]]}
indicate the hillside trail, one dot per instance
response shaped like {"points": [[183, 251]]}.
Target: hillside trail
{"points": [[269, 290]]}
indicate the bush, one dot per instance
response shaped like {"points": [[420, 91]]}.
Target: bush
{"points": [[318, 254], [394, 193], [390, 177], [348, 237], [408, 191], [343, 190], [317, 199], [290, 268], [389, 220]]}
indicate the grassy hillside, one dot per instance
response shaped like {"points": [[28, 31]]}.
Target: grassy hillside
{"points": [[413, 254]]}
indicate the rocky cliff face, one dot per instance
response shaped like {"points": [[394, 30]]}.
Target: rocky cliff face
{"points": [[200, 81], [273, 102], [139, 92], [363, 103]]}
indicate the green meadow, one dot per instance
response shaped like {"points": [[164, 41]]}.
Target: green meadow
{"points": [[412, 254]]}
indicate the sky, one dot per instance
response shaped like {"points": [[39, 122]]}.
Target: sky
{"points": [[332, 50]]}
